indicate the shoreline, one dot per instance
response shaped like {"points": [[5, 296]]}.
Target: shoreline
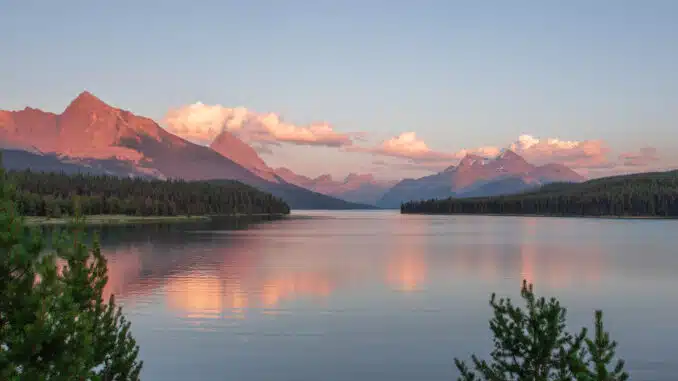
{"points": [[121, 219], [606, 217]]}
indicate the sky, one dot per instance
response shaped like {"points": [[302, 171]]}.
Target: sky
{"points": [[397, 88]]}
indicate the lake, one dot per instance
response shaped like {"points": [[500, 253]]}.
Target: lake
{"points": [[375, 295]]}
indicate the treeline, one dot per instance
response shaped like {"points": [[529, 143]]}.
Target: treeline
{"points": [[57, 194], [638, 195]]}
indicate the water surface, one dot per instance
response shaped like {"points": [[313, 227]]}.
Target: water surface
{"points": [[381, 296]]}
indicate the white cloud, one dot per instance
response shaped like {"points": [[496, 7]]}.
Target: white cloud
{"points": [[201, 123], [408, 146], [575, 154], [585, 156]]}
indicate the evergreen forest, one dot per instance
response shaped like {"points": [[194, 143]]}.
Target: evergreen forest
{"points": [[57, 194], [638, 195]]}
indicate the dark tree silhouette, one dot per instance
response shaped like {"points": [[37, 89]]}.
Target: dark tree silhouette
{"points": [[532, 344], [57, 194], [639, 195]]}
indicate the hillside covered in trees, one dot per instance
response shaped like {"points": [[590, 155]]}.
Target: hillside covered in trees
{"points": [[638, 195], [56, 195]]}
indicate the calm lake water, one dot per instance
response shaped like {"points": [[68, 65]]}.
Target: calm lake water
{"points": [[381, 296]]}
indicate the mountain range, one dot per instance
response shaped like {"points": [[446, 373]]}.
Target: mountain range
{"points": [[99, 138], [92, 136], [355, 187], [477, 176]]}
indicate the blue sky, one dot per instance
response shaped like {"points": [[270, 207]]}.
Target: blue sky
{"points": [[460, 74]]}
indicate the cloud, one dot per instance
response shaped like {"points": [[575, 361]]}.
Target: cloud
{"points": [[408, 146], [644, 157], [573, 153], [585, 156], [201, 123]]}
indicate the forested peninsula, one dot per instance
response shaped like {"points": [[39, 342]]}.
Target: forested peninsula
{"points": [[56, 195], [643, 195]]}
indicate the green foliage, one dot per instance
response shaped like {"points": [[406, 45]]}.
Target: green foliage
{"points": [[54, 323], [54, 195], [639, 195], [532, 344]]}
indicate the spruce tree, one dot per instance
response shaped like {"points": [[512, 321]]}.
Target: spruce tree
{"points": [[532, 344], [54, 323]]}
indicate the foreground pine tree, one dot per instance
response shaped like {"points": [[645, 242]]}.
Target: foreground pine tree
{"points": [[533, 345], [54, 323]]}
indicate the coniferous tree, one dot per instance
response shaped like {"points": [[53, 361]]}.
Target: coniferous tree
{"points": [[532, 344], [638, 195], [54, 323], [54, 194]]}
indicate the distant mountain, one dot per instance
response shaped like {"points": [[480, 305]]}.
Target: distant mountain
{"points": [[637, 195], [361, 188], [478, 176], [91, 131], [293, 178]]}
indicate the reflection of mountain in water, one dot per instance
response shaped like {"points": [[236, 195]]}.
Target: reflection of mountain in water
{"points": [[203, 273]]}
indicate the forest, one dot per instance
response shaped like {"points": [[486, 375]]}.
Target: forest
{"points": [[639, 195], [57, 194]]}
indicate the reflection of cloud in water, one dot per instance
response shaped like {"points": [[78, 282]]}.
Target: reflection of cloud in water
{"points": [[196, 295], [406, 262], [407, 271], [201, 295], [291, 286], [227, 275], [209, 283]]}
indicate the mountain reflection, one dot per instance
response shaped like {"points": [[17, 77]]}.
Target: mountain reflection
{"points": [[229, 274], [204, 295]]}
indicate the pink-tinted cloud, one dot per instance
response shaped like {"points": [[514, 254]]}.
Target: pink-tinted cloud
{"points": [[643, 160], [408, 146], [573, 153], [586, 156], [644, 157], [201, 123]]}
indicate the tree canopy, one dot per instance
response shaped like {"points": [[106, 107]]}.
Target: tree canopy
{"points": [[532, 344], [639, 195], [56, 194], [54, 321]]}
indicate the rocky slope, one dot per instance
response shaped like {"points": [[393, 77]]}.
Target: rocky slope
{"points": [[89, 130], [478, 176], [362, 188]]}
